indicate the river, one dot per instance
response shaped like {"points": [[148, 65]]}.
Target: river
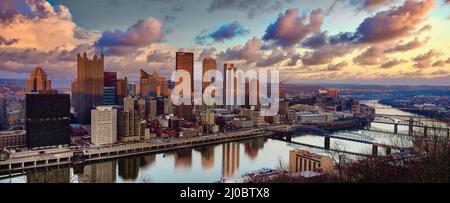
{"points": [[204, 164]]}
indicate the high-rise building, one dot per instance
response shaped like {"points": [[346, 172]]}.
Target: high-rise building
{"points": [[88, 87], [109, 88], [147, 84], [47, 119], [38, 81], [3, 114], [121, 90], [133, 103], [104, 125], [302, 160], [231, 87], [162, 86], [207, 65], [129, 126], [185, 61], [333, 92]]}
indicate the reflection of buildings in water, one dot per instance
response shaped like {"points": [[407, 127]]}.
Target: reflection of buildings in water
{"points": [[207, 153], [58, 175], [129, 168], [230, 159], [252, 147], [147, 160], [103, 172], [183, 158]]}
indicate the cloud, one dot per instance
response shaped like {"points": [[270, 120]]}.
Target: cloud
{"points": [[427, 56], [273, 58], [370, 4], [252, 7], [224, 32], [159, 56], [208, 52], [337, 67], [438, 63], [31, 9], [393, 62], [392, 24], [251, 51], [325, 54], [317, 40], [7, 42], [414, 44], [141, 34], [440, 72], [371, 56], [290, 28]]}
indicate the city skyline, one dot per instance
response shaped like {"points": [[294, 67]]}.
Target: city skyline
{"points": [[375, 42]]}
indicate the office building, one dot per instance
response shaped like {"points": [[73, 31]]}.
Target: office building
{"points": [[47, 119], [13, 139], [147, 85], [302, 160], [109, 88], [230, 89], [121, 90], [333, 92], [133, 103], [87, 89], [129, 126], [207, 65], [38, 81], [185, 61], [103, 125]]}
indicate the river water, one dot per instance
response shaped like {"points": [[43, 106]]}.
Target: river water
{"points": [[206, 164]]}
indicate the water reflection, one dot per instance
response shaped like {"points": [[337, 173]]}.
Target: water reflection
{"points": [[230, 159], [183, 158], [207, 153], [56, 175], [103, 172], [129, 168], [252, 147]]}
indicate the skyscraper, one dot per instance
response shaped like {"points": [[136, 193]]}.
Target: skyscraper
{"points": [[38, 81], [162, 86], [185, 61], [47, 119], [147, 84], [104, 125], [87, 90], [207, 65], [109, 88], [121, 90], [231, 87]]}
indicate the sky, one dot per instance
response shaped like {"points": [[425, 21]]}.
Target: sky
{"points": [[326, 41]]}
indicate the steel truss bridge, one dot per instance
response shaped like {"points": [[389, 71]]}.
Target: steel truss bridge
{"points": [[427, 124]]}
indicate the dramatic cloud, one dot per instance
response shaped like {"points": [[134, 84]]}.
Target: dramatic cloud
{"points": [[275, 57], [389, 25], [252, 7], [414, 44], [7, 42], [208, 52], [251, 52], [370, 4], [372, 56], [391, 63], [290, 28], [159, 56], [427, 56], [394, 23], [224, 32], [317, 40], [325, 54], [438, 63], [337, 67], [141, 34]]}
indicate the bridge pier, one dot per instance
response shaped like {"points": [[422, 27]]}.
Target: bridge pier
{"points": [[425, 131], [327, 142], [374, 150], [448, 133], [288, 137], [396, 128]]}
